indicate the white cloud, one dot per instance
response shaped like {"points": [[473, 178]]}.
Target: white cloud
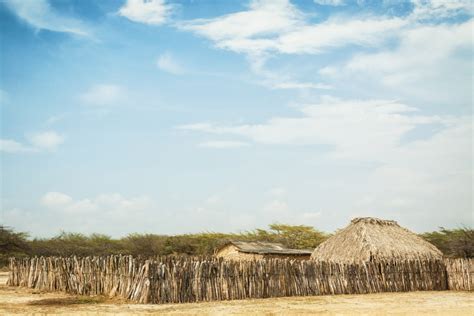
{"points": [[440, 9], [40, 15], [48, 140], [11, 146], [269, 28], [309, 216], [278, 80], [168, 63], [214, 199], [276, 206], [330, 2], [356, 129], [153, 12], [113, 204], [337, 32], [109, 213], [102, 95], [264, 18], [278, 210], [56, 199], [300, 85], [223, 144], [428, 63], [55, 118], [415, 165], [440, 40], [277, 192], [278, 26], [426, 178]]}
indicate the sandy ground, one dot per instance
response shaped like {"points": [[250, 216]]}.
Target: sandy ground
{"points": [[16, 301]]}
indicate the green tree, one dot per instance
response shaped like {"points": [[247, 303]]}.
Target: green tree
{"points": [[12, 244], [457, 243]]}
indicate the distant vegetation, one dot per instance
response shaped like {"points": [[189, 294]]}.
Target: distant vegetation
{"points": [[147, 245], [456, 243], [453, 243]]}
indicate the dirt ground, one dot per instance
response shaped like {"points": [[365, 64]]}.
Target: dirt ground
{"points": [[27, 301]]}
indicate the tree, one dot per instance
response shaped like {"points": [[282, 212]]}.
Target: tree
{"points": [[299, 236], [457, 243], [12, 244]]}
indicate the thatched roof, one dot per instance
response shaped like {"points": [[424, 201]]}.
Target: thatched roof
{"points": [[267, 248], [367, 239]]}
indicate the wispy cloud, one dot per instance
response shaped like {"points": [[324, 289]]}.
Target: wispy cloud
{"points": [[12, 146], [330, 2], [277, 192], [278, 26], [86, 215], [356, 129], [269, 28], [427, 172], [223, 144], [41, 16], [250, 31], [428, 64], [54, 119], [167, 62], [439, 9], [263, 19], [300, 85], [39, 141], [153, 12], [113, 203], [338, 32], [102, 95], [48, 140]]}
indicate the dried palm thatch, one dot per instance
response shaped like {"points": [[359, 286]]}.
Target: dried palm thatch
{"points": [[370, 239]]}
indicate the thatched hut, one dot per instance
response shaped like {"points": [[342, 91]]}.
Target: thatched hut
{"points": [[372, 239], [243, 250]]}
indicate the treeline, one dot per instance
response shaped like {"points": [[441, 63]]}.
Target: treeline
{"points": [[66, 244], [457, 243]]}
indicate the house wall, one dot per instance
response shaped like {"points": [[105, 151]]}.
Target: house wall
{"points": [[231, 252]]}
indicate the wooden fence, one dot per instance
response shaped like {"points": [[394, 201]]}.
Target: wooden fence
{"points": [[121, 276], [181, 279], [460, 274]]}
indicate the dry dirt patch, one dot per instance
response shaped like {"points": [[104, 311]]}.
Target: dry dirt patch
{"points": [[16, 301]]}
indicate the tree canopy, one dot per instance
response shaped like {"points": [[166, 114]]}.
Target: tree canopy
{"points": [[453, 243]]}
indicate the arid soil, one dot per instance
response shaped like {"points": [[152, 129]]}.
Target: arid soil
{"points": [[27, 301]]}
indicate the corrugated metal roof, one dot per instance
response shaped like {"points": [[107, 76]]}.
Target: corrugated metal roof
{"points": [[259, 247]]}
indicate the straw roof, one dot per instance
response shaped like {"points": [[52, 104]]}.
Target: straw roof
{"points": [[266, 248], [368, 239]]}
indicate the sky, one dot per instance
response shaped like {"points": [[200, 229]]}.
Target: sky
{"points": [[172, 117]]}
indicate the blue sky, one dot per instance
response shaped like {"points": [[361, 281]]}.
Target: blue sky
{"points": [[185, 116]]}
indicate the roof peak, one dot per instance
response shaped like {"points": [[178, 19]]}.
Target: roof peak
{"points": [[374, 220]]}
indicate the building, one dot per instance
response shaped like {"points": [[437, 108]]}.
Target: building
{"points": [[242, 250], [371, 239]]}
